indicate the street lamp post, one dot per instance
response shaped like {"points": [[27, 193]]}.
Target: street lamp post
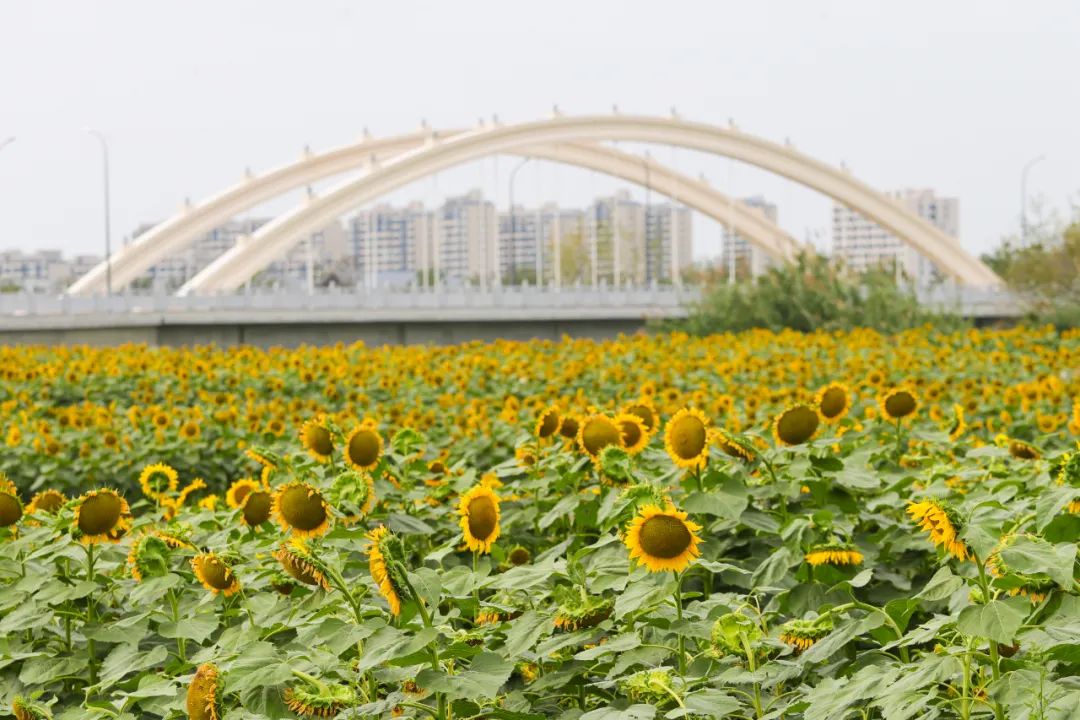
{"points": [[1023, 197], [513, 223], [108, 228]]}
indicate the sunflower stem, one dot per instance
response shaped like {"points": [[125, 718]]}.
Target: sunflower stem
{"points": [[475, 567], [426, 617], [90, 612], [899, 451], [751, 662], [679, 612], [310, 679], [984, 584], [181, 643]]}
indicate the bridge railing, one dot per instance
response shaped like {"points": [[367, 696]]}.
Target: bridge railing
{"points": [[657, 298]]}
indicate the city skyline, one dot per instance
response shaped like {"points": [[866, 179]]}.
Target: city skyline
{"points": [[413, 242], [909, 119]]}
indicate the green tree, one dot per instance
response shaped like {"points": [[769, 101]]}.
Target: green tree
{"points": [[811, 294]]}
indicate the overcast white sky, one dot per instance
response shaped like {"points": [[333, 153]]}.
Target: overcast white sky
{"points": [[951, 95]]}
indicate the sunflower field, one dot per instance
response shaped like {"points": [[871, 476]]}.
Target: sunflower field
{"points": [[757, 525]]}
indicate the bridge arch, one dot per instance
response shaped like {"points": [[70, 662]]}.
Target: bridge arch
{"points": [[749, 222], [237, 265], [174, 234]]}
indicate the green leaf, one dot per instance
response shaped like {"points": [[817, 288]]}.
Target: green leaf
{"points": [[525, 577], [125, 659], [775, 568], [427, 584], [707, 702], [841, 636], [1050, 502], [634, 712], [487, 673], [642, 594], [524, 632], [941, 586], [389, 643], [620, 643], [997, 620], [260, 666], [565, 506], [195, 627], [1033, 555], [727, 501], [408, 525]]}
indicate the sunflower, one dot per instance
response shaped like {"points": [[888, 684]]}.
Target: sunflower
{"points": [[686, 438], [733, 446], [24, 709], [1023, 451], [318, 699], [214, 574], [298, 560], [239, 490], [802, 634], [385, 555], [519, 555], [577, 611], [569, 427], [186, 491], [256, 507], [158, 481], [190, 431], [547, 423], [11, 508], [479, 510], [635, 436], [101, 516], [204, 694], [833, 402], [525, 455], [943, 525], [299, 506], [644, 409], [148, 557], [363, 447], [49, 501], [834, 554], [662, 539], [1034, 586], [596, 433], [959, 427], [317, 439], [173, 540], [898, 404], [796, 425], [353, 493], [264, 457]]}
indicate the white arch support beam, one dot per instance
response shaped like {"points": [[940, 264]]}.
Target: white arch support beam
{"points": [[748, 222], [176, 233], [237, 265], [182, 229]]}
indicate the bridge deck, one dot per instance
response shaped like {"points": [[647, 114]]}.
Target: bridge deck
{"points": [[395, 316]]}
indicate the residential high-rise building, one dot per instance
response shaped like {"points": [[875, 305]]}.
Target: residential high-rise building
{"points": [[466, 240], [465, 234], [388, 245], [615, 240], [313, 261], [739, 256], [863, 244], [42, 271]]}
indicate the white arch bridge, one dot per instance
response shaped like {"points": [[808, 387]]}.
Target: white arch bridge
{"points": [[387, 164]]}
